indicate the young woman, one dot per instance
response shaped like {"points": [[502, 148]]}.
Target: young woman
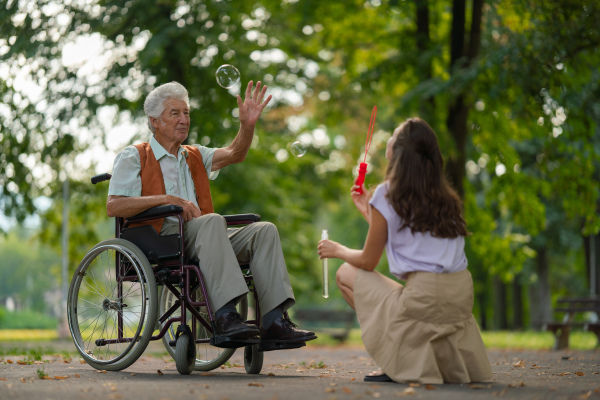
{"points": [[425, 331]]}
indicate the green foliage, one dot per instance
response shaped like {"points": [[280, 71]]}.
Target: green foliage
{"points": [[26, 270], [26, 320], [531, 147]]}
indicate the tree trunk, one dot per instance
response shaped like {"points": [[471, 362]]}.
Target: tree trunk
{"points": [[591, 245], [517, 304], [500, 311], [424, 67], [458, 111], [541, 308], [482, 313]]}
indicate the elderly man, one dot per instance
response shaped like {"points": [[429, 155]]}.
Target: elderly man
{"points": [[165, 172]]}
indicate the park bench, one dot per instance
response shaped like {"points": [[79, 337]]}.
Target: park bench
{"points": [[571, 307], [335, 323]]}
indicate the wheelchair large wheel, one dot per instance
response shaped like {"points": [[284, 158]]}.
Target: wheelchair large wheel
{"points": [[103, 303], [207, 357]]}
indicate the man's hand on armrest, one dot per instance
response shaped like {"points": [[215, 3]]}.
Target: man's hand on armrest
{"points": [[123, 206]]}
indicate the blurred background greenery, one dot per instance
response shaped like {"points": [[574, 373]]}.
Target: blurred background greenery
{"points": [[511, 87]]}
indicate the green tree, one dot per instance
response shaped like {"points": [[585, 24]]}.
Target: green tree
{"points": [[513, 101]]}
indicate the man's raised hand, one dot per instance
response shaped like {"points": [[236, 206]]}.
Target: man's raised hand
{"points": [[252, 105]]}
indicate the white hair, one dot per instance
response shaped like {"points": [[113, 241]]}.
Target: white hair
{"points": [[155, 102]]}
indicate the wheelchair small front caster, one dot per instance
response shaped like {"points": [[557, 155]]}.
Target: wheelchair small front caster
{"points": [[185, 354], [253, 359]]}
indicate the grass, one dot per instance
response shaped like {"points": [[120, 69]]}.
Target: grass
{"points": [[530, 340], [21, 335], [527, 340]]}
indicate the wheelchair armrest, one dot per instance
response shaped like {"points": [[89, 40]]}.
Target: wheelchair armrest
{"points": [[157, 212], [241, 219]]}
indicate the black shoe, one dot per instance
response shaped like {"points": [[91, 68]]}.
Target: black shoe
{"points": [[378, 378], [232, 325], [283, 330]]}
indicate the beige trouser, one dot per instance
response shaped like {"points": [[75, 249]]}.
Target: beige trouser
{"points": [[221, 250]]}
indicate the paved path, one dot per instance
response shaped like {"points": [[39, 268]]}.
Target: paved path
{"points": [[331, 373]]}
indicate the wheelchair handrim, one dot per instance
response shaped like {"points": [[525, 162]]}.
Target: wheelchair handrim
{"points": [[77, 280]]}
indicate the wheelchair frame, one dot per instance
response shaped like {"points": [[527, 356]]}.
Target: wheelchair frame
{"points": [[170, 270]]}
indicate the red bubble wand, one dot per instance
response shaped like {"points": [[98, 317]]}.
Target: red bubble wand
{"points": [[362, 168]]}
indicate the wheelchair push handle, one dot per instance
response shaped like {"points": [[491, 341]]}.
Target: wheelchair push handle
{"points": [[101, 178]]}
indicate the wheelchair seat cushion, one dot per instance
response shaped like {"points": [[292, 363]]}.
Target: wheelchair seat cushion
{"points": [[148, 240]]}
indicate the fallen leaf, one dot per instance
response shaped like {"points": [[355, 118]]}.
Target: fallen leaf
{"points": [[407, 392], [9, 361], [585, 395], [564, 373], [500, 393], [579, 373], [270, 374], [324, 376], [101, 371], [158, 371], [480, 386], [256, 384], [519, 364], [346, 390], [77, 376], [23, 380], [3, 379], [60, 377], [430, 387], [47, 378], [414, 384]]}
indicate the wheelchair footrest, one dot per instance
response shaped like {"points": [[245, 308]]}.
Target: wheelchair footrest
{"points": [[232, 343], [280, 346]]}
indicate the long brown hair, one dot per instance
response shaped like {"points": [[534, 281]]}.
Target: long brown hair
{"points": [[419, 190]]}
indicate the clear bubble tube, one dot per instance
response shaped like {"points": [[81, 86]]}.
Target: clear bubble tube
{"points": [[325, 236]]}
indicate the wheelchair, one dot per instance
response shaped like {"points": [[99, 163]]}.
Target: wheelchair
{"points": [[127, 288]]}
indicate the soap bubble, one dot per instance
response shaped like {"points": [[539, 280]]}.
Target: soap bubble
{"points": [[227, 76], [298, 148]]}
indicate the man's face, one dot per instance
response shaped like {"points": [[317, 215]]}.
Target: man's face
{"points": [[174, 122]]}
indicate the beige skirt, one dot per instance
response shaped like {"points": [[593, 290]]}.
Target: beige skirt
{"points": [[424, 332]]}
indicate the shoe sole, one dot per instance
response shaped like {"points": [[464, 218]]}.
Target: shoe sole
{"points": [[289, 341], [232, 343], [378, 378]]}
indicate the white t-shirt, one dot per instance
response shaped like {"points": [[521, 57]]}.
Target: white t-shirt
{"points": [[408, 252]]}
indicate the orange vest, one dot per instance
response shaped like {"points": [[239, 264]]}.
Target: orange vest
{"points": [[153, 182]]}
